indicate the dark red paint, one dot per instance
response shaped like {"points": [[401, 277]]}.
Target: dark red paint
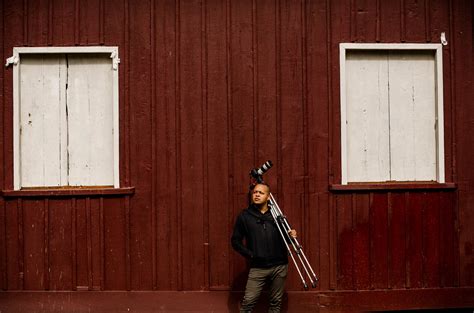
{"points": [[208, 90]]}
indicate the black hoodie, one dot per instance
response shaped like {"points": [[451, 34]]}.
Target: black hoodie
{"points": [[264, 245]]}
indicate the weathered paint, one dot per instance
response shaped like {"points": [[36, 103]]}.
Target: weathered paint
{"points": [[210, 89], [66, 120]]}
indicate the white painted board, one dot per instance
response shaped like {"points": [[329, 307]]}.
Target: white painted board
{"points": [[41, 97], [90, 120], [413, 115], [367, 125]]}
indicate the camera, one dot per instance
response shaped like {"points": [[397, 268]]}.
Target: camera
{"points": [[259, 171]]}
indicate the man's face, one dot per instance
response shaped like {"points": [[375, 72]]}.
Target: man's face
{"points": [[260, 194]]}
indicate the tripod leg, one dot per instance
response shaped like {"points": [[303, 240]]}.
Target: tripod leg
{"points": [[305, 285], [296, 245], [299, 252]]}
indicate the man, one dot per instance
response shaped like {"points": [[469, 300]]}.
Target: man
{"points": [[264, 248]]}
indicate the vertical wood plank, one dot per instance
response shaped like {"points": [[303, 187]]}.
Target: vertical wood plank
{"points": [[324, 237], [217, 135], [457, 241], [60, 248], [318, 94], [366, 20], [115, 245], [415, 239], [95, 243], [403, 34], [333, 250], [101, 22], [377, 20], [34, 244], [338, 31], [14, 245], [13, 20], [428, 20], [278, 79], [154, 179], [379, 245], [62, 22], [414, 20], [205, 144], [46, 244], [241, 63], [89, 24], [345, 242], [102, 244], [37, 22], [242, 84], [461, 61], [166, 149], [191, 116], [179, 205], [50, 22], [25, 22], [88, 217], [81, 245], [77, 22], [362, 242], [128, 260], [265, 89], [141, 150], [397, 240], [291, 163], [74, 243], [230, 161], [3, 241], [431, 236], [447, 243]]}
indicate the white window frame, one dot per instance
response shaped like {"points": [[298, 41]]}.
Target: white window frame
{"points": [[16, 59], [437, 48]]}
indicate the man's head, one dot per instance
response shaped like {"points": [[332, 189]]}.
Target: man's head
{"points": [[260, 194]]}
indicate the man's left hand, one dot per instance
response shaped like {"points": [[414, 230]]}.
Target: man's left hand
{"points": [[292, 233]]}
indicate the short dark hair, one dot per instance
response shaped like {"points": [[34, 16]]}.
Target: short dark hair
{"points": [[262, 183]]}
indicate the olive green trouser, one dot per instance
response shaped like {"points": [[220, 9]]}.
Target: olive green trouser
{"points": [[255, 282]]}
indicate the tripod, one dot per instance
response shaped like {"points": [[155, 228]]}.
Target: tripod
{"points": [[284, 229]]}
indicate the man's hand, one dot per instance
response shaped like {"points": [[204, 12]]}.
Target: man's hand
{"points": [[292, 233]]}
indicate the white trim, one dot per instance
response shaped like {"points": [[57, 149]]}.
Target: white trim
{"points": [[390, 46], [440, 113], [16, 124], [342, 62], [17, 51], [70, 49], [343, 47], [115, 110]]}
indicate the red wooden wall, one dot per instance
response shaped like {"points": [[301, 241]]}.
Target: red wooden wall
{"points": [[208, 90]]}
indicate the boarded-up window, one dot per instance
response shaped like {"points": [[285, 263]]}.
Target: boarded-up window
{"points": [[66, 120], [390, 119]]}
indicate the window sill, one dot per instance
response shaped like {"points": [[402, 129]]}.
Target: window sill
{"points": [[64, 192], [386, 186]]}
